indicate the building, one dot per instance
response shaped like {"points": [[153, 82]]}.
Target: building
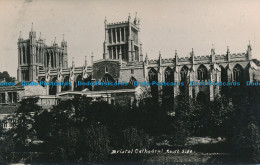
{"points": [[123, 61]]}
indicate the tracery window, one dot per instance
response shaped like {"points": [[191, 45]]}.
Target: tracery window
{"points": [[238, 73], [202, 73]]}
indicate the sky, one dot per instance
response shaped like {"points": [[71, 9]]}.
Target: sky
{"points": [[165, 26]]}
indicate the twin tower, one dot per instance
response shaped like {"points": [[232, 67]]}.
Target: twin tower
{"points": [[34, 55], [121, 43]]}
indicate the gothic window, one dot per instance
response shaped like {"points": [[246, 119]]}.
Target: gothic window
{"points": [[238, 73], [65, 86], [107, 78], [153, 76], [202, 73], [76, 86], [132, 80], [184, 72], [132, 71], [53, 88], [169, 77]]}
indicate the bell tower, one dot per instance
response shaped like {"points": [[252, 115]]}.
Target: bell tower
{"points": [[121, 40]]}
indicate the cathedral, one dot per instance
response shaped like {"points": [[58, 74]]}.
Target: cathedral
{"points": [[123, 61]]}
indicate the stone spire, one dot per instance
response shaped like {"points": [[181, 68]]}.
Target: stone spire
{"points": [[146, 59], [176, 58], [212, 50], [212, 55], [73, 64], [135, 20], [192, 56], [105, 21], [32, 27], [86, 63], [92, 59], [228, 53], [20, 36], [249, 51], [129, 17]]}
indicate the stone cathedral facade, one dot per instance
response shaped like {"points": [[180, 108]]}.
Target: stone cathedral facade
{"points": [[123, 60]]}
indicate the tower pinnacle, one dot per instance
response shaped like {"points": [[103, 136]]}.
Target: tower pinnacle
{"points": [[32, 27], [20, 36], [129, 18]]}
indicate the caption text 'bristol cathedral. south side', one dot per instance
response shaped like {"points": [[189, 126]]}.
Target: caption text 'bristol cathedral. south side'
{"points": [[124, 61]]}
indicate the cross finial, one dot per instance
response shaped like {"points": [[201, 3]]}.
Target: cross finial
{"points": [[176, 52], [63, 37]]}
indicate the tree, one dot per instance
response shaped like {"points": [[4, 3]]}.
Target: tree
{"points": [[23, 130], [5, 76]]}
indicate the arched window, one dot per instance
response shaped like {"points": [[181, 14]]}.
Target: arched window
{"points": [[184, 74], [169, 77], [66, 86], [202, 73], [53, 88], [76, 86], [153, 76], [168, 74], [238, 73], [107, 78], [132, 80], [224, 78]]}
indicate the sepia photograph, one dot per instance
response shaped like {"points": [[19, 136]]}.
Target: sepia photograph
{"points": [[129, 82]]}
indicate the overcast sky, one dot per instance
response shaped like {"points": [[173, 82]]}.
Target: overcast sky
{"points": [[166, 25]]}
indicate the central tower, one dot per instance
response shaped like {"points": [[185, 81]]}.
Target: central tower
{"points": [[121, 40]]}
